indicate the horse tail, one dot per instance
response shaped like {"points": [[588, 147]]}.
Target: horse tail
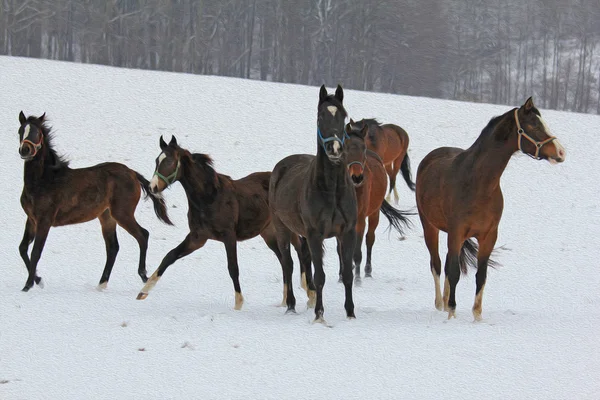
{"points": [[468, 256], [398, 219], [160, 209], [406, 173]]}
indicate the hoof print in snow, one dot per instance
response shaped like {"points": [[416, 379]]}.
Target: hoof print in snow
{"points": [[124, 324], [188, 345], [4, 381], [142, 349]]}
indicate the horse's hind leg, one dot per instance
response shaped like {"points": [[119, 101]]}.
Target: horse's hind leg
{"points": [[301, 246], [452, 272], [128, 222], [360, 233], [486, 246], [269, 236], [389, 170], [431, 235], [191, 243], [370, 240], [28, 237], [315, 244], [284, 236], [395, 169], [109, 232], [234, 270]]}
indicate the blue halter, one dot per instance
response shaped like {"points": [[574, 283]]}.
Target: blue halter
{"points": [[334, 138]]}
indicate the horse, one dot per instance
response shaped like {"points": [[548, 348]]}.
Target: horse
{"points": [[458, 192], [370, 182], [55, 195], [390, 142], [219, 208], [313, 196]]}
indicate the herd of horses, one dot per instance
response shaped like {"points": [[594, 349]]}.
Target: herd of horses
{"points": [[303, 201]]}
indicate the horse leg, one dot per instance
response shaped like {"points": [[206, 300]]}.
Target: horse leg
{"points": [[43, 227], [431, 235], [486, 246], [389, 169], [191, 243], [373, 222], [234, 270], [452, 271], [360, 232], [109, 232], [315, 244], [338, 248], [301, 246], [128, 222], [395, 168], [28, 237], [284, 237], [348, 245], [270, 237]]}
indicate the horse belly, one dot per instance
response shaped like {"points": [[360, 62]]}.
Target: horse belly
{"points": [[82, 207]]}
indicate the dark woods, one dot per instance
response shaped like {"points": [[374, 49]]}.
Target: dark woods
{"points": [[494, 52]]}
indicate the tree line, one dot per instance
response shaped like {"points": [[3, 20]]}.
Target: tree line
{"points": [[498, 51]]}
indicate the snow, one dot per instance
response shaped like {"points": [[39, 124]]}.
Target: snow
{"points": [[541, 309]]}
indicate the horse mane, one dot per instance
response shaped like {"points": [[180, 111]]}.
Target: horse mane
{"points": [[370, 122], [54, 160]]}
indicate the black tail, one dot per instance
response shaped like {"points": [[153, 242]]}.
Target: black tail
{"points": [[398, 219], [468, 256], [159, 203], [405, 168]]}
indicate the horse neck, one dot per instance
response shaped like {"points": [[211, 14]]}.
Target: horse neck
{"points": [[35, 171], [198, 186], [490, 155], [329, 176]]}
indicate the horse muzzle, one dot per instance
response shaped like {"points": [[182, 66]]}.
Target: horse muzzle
{"points": [[357, 180], [27, 151]]}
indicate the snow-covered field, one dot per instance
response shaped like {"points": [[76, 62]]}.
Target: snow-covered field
{"points": [[539, 338]]}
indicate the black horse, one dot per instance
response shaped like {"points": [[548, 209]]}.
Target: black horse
{"points": [[313, 196]]}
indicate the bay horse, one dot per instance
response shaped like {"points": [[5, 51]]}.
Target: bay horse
{"points": [[370, 182], [219, 208], [313, 196], [390, 142], [458, 192], [55, 195]]}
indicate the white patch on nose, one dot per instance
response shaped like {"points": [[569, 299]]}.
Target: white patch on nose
{"points": [[332, 110], [560, 150], [336, 147], [154, 183]]}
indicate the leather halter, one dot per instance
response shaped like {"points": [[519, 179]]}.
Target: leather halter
{"points": [[168, 179], [538, 145], [36, 146]]}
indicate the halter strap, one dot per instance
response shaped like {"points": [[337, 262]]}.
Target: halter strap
{"points": [[332, 139], [538, 145], [36, 146], [168, 179]]}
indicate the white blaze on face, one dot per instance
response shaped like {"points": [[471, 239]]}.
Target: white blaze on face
{"points": [[336, 147], [332, 110], [154, 180], [26, 131], [560, 150]]}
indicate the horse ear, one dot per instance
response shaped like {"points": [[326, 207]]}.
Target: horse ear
{"points": [[173, 141], [339, 93], [364, 131], [42, 118], [322, 94], [22, 118], [528, 106], [348, 127], [162, 143], [351, 121]]}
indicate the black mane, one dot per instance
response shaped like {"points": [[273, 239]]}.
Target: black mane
{"points": [[53, 160], [370, 122]]}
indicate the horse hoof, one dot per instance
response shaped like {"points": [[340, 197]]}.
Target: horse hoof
{"points": [[290, 310], [26, 288], [144, 278], [477, 317], [340, 279], [39, 282], [439, 307], [351, 317], [451, 314], [102, 286], [141, 296], [357, 281], [368, 275]]}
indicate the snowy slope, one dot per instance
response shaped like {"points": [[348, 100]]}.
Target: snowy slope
{"points": [[539, 337]]}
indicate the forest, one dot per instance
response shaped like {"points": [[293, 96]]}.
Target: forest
{"points": [[482, 51]]}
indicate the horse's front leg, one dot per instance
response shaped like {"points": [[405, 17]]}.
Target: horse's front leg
{"points": [[43, 227], [357, 256], [348, 241], [315, 244], [28, 237]]}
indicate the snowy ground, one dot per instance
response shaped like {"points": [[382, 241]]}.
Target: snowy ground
{"points": [[539, 337]]}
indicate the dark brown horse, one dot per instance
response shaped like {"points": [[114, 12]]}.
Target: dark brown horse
{"points": [[313, 196], [56, 195], [458, 192], [220, 209], [390, 142], [370, 181]]}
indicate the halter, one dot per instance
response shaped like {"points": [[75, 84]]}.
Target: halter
{"points": [[168, 179], [36, 146], [331, 139], [538, 145]]}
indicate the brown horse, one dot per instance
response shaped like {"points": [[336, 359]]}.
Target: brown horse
{"points": [[56, 195], [220, 209], [370, 182], [390, 142], [458, 192]]}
